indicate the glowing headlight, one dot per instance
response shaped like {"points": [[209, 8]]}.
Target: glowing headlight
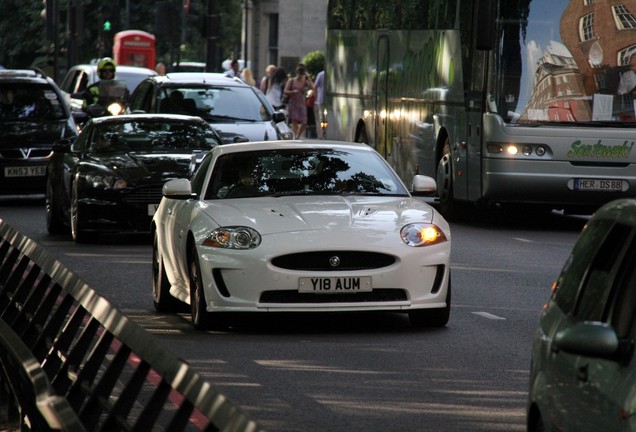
{"points": [[287, 135], [233, 238], [420, 234], [115, 108]]}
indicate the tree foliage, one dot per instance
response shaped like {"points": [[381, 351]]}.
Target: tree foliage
{"points": [[314, 62], [23, 42]]}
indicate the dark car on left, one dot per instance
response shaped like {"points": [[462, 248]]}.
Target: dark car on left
{"points": [[33, 115], [110, 178]]}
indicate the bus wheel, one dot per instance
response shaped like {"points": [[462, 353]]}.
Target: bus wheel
{"points": [[448, 206]]}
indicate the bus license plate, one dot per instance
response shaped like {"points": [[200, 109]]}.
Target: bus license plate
{"points": [[599, 185], [335, 285], [25, 171]]}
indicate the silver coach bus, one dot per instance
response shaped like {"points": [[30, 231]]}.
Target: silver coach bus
{"points": [[509, 101]]}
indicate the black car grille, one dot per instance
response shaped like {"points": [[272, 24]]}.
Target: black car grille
{"points": [[25, 153], [145, 195], [377, 295], [324, 261]]}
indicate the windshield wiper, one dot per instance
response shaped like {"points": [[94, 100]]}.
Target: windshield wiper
{"points": [[224, 117]]}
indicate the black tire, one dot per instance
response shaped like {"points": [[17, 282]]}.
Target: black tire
{"points": [[432, 317], [448, 206], [201, 318], [77, 231], [535, 423], [54, 223], [161, 297]]}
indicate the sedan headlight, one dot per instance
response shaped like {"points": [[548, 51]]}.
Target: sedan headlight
{"points": [[233, 238], [98, 181], [421, 234]]}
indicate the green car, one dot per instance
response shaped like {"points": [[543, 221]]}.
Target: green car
{"points": [[583, 374]]}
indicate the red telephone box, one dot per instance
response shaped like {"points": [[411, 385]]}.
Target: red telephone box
{"points": [[134, 48]]}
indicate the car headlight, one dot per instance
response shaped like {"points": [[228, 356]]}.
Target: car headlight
{"points": [[233, 238], [115, 108], [287, 135], [421, 234], [104, 181]]}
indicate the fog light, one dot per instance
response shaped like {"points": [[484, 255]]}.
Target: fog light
{"points": [[512, 150]]}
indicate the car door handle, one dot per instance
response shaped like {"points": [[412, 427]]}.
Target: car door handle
{"points": [[581, 373]]}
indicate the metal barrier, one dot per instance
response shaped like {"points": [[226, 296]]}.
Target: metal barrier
{"points": [[71, 361]]}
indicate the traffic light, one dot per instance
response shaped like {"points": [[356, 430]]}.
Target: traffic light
{"points": [[106, 16]]}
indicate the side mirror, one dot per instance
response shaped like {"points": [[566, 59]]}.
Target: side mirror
{"points": [[279, 116], [178, 189], [424, 185], [589, 339], [96, 110], [80, 117], [62, 145]]}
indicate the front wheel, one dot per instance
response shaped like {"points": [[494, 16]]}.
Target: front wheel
{"points": [[54, 224], [77, 231], [201, 318], [432, 317], [448, 205], [163, 301]]}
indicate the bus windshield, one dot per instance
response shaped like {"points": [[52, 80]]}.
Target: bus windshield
{"points": [[566, 62]]}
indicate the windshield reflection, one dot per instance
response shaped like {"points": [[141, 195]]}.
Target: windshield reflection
{"points": [[301, 172], [568, 62]]}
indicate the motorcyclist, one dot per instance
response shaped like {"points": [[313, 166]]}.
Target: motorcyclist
{"points": [[103, 92]]}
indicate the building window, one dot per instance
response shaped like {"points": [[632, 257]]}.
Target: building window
{"points": [[586, 28], [624, 20], [588, 2], [625, 55]]}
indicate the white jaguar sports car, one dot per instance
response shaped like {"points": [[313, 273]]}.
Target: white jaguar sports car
{"points": [[291, 226]]}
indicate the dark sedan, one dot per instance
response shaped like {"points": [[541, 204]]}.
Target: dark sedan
{"points": [[109, 179]]}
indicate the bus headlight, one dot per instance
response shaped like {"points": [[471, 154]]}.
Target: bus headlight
{"points": [[512, 150]]}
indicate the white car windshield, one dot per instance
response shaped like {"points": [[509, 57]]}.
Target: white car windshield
{"points": [[215, 104], [302, 172]]}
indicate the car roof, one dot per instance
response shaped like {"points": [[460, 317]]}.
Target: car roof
{"points": [[28, 75], [212, 78], [291, 144], [122, 68]]}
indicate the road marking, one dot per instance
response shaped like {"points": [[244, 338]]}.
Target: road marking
{"points": [[489, 315], [522, 240]]}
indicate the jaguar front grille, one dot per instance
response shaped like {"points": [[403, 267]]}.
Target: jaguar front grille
{"points": [[334, 261]]}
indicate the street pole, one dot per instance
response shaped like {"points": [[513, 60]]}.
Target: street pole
{"points": [[245, 33], [212, 32]]}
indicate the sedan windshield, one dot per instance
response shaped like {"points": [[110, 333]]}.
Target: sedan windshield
{"points": [[29, 102], [215, 104], [302, 172], [152, 136]]}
